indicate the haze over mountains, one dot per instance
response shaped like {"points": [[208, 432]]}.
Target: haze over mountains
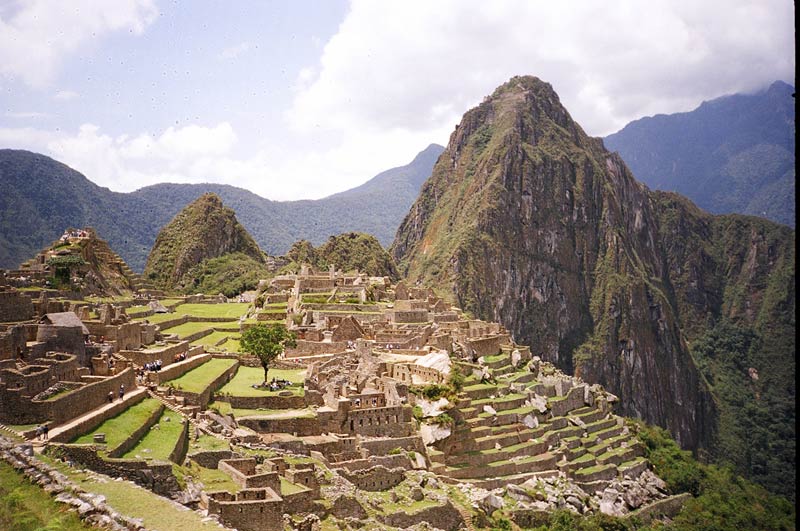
{"points": [[731, 154], [41, 197]]}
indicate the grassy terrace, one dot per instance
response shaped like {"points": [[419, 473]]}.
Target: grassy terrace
{"points": [[119, 428], [134, 501], [232, 310], [196, 380], [25, 506], [246, 377], [214, 337], [159, 442], [158, 318], [186, 329]]}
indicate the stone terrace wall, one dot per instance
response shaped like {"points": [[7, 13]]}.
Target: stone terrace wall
{"points": [[444, 517], [375, 478], [166, 354], [573, 400], [210, 458], [95, 420], [301, 426], [266, 402], [16, 409], [15, 306], [155, 476], [202, 399], [129, 442], [384, 446], [174, 370]]}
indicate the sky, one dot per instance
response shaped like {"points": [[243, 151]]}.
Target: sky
{"points": [[301, 99]]}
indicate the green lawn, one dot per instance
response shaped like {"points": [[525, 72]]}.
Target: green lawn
{"points": [[187, 329], [212, 479], [207, 443], [158, 318], [246, 377], [118, 428], [213, 337], [225, 408], [24, 506], [159, 442], [196, 380], [288, 487], [233, 310]]}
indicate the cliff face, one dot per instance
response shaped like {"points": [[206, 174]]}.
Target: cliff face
{"points": [[205, 229], [528, 221]]}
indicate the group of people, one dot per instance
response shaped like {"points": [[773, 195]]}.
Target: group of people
{"points": [[74, 234], [42, 432], [153, 367], [121, 394], [278, 384]]}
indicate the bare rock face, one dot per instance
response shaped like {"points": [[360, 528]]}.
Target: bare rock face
{"points": [[528, 221]]}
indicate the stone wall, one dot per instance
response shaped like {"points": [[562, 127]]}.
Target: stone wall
{"points": [[15, 306], [265, 402], [210, 458], [375, 478], [384, 446], [18, 409], [166, 353], [243, 472], [444, 517], [174, 370], [95, 420], [202, 399], [573, 400], [12, 342], [312, 348], [248, 510], [301, 426], [130, 441], [484, 346], [155, 476]]}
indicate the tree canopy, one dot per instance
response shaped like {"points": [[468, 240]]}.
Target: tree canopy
{"points": [[267, 342]]}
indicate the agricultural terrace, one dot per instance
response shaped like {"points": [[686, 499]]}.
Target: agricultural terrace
{"points": [[198, 379]]}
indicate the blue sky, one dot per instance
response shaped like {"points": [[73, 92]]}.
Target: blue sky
{"points": [[303, 99]]}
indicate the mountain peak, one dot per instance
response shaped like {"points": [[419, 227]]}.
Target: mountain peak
{"points": [[204, 229]]}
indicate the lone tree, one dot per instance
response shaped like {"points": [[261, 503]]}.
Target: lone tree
{"points": [[267, 342]]}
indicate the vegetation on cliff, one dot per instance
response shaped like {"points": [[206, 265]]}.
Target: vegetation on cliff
{"points": [[347, 252], [229, 274], [42, 196], [204, 230]]}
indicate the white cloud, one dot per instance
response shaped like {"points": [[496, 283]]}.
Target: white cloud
{"points": [[65, 95], [38, 35], [418, 65], [24, 115], [235, 51]]}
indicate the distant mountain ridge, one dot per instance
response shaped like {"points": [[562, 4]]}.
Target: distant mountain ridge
{"points": [[41, 197], [734, 154]]}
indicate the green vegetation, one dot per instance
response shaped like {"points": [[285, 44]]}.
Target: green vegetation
{"points": [[232, 310], [266, 342], [26, 507], [348, 252], [213, 338], [119, 428], [187, 329], [246, 377], [229, 274], [184, 254], [199, 378], [159, 442]]}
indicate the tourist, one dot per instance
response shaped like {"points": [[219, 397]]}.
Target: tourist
{"points": [[45, 430], [39, 432], [110, 396], [121, 391]]}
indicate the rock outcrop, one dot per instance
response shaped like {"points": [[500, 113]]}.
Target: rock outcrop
{"points": [[528, 221]]}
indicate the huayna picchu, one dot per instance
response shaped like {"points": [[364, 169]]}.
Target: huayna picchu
{"points": [[528, 221]]}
